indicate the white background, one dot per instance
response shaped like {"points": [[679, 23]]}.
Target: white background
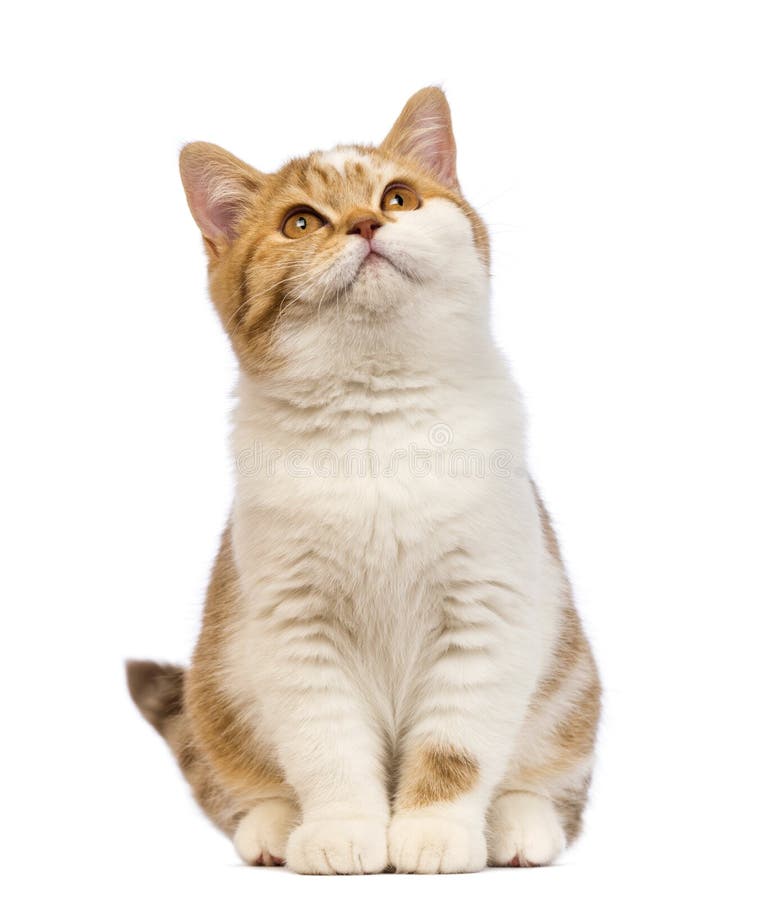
{"points": [[615, 150]]}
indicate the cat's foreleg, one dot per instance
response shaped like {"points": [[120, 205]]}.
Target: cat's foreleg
{"points": [[326, 743], [469, 708]]}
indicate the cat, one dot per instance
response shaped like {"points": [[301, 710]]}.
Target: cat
{"points": [[391, 672]]}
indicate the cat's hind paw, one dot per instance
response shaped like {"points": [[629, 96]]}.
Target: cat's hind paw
{"points": [[524, 830], [262, 834]]}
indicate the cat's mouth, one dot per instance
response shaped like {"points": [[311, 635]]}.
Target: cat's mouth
{"points": [[376, 258], [372, 273], [373, 258]]}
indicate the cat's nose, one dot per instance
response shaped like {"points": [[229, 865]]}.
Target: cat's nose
{"points": [[365, 225]]}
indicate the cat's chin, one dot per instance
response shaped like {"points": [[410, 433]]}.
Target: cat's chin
{"points": [[375, 270], [374, 259], [378, 285]]}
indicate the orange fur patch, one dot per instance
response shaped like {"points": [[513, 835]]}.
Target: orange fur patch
{"points": [[574, 732], [436, 775], [218, 728], [158, 693]]}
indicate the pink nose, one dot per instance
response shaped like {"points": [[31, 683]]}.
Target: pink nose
{"points": [[365, 226]]}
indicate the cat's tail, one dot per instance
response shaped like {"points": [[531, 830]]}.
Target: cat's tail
{"points": [[157, 690]]}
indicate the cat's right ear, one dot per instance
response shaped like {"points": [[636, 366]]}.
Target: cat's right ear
{"points": [[220, 189]]}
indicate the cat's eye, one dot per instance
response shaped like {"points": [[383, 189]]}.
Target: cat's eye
{"points": [[399, 197], [300, 222]]}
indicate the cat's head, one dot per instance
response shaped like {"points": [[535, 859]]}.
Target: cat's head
{"points": [[358, 240]]}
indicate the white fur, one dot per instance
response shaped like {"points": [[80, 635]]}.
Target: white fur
{"points": [[384, 611], [524, 829], [432, 844], [262, 834], [344, 846], [340, 156]]}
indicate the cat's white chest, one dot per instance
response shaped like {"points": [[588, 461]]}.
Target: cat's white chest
{"points": [[355, 521], [376, 498]]}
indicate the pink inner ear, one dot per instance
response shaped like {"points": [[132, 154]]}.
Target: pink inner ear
{"points": [[427, 136], [219, 188], [214, 208], [440, 151], [220, 218]]}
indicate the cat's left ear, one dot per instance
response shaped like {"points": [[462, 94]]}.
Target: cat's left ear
{"points": [[423, 131], [220, 189]]}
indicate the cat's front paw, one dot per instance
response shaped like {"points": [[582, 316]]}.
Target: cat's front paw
{"points": [[525, 830], [431, 843], [262, 833], [338, 847]]}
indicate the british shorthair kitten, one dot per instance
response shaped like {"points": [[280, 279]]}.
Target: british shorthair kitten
{"points": [[391, 671]]}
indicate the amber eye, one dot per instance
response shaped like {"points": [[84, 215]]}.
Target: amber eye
{"points": [[301, 222], [399, 197]]}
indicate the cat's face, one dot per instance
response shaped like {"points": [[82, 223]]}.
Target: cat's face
{"points": [[363, 234]]}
